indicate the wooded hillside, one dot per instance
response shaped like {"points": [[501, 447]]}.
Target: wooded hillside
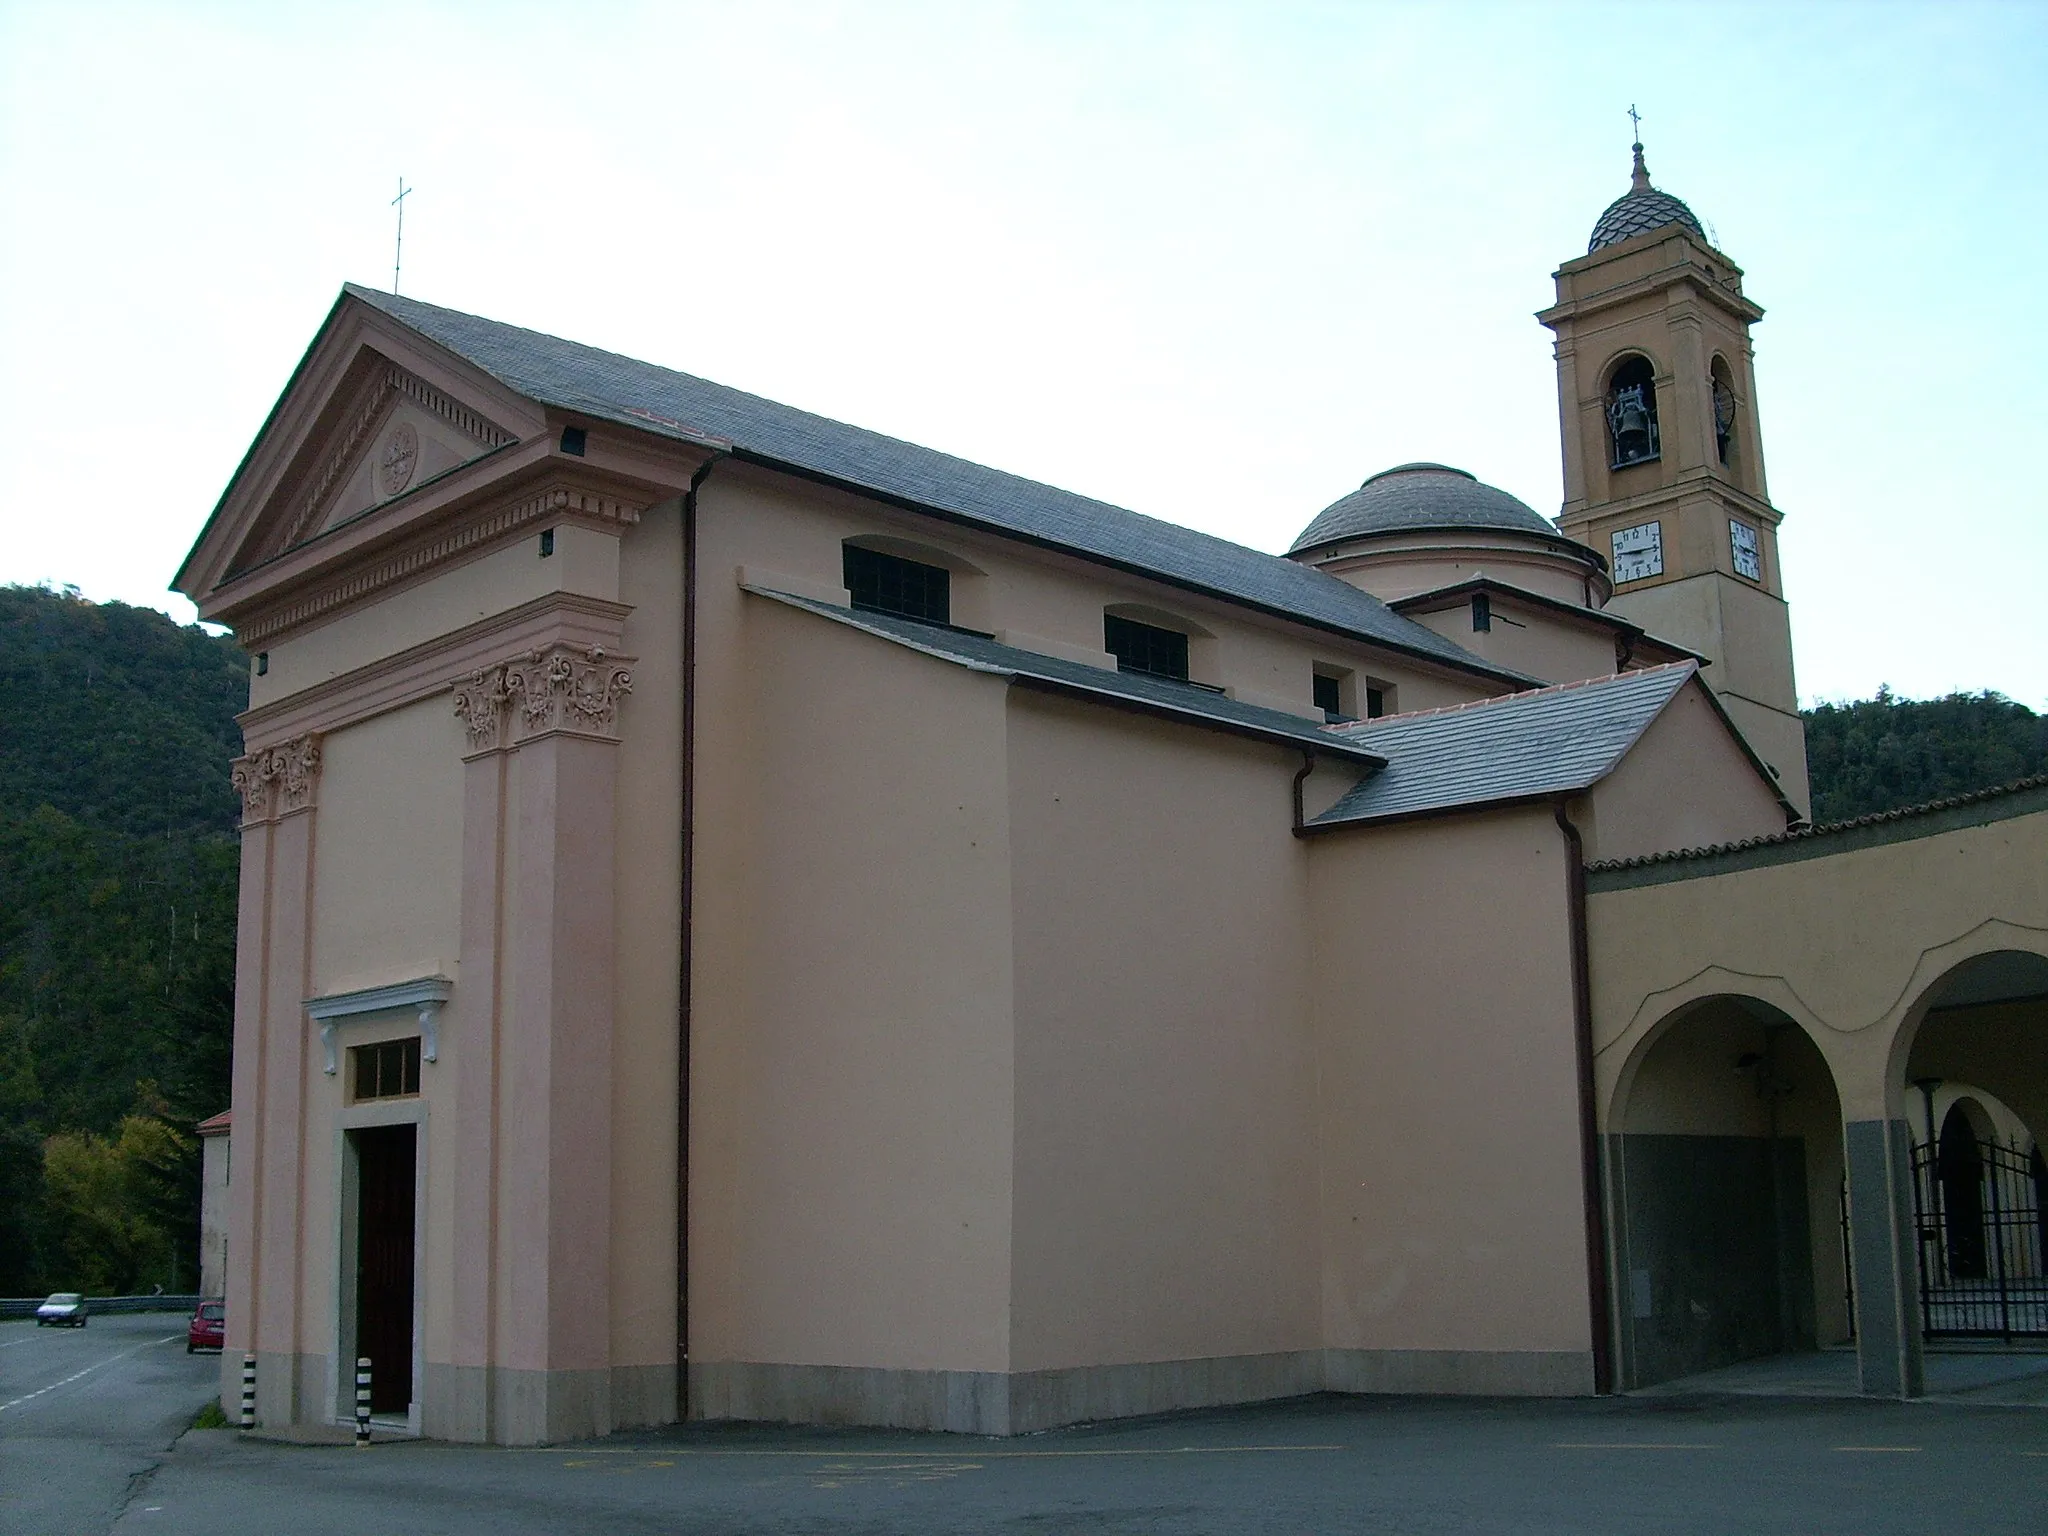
{"points": [[118, 860], [1884, 753]]}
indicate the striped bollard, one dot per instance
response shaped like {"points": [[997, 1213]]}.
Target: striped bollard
{"points": [[248, 1391], [362, 1401]]}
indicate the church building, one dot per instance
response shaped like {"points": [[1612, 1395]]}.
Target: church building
{"points": [[745, 917]]}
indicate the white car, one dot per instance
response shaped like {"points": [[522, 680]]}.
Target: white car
{"points": [[66, 1309]]}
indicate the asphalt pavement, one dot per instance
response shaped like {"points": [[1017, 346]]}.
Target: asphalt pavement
{"points": [[84, 1412], [89, 1442], [1385, 1466]]}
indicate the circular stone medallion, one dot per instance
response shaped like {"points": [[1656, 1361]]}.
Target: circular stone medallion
{"points": [[401, 452]]}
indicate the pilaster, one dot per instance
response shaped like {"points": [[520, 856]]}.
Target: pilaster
{"points": [[1889, 1352], [462, 1410], [533, 1277], [266, 1297]]}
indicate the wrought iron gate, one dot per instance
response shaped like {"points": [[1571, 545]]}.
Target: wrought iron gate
{"points": [[1980, 1218]]}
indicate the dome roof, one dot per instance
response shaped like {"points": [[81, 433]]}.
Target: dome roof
{"points": [[1416, 496], [1638, 211]]}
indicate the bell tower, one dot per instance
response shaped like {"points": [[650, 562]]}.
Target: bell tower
{"points": [[1663, 461]]}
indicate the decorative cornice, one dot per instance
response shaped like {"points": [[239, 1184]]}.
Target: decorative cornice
{"points": [[563, 688], [278, 780], [427, 996], [390, 380], [435, 666], [556, 502]]}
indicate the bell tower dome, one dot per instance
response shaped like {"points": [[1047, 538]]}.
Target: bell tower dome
{"points": [[1663, 459]]}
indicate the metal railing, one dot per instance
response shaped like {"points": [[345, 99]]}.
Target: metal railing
{"points": [[103, 1306], [1978, 1221]]}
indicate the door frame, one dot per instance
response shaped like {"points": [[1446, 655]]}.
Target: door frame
{"points": [[341, 1370]]}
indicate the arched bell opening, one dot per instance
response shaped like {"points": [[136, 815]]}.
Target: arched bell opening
{"points": [[1975, 1094], [1721, 386], [1725, 1161], [1633, 436]]}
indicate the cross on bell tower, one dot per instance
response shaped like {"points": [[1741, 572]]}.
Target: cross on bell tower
{"points": [[1663, 459]]}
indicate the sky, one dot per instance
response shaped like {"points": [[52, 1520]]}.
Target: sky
{"points": [[1215, 262]]}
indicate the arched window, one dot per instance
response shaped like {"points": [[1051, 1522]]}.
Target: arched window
{"points": [[1632, 413], [1724, 409]]}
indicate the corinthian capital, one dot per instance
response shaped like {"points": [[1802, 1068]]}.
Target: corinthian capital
{"points": [[277, 780], [482, 704], [568, 688]]}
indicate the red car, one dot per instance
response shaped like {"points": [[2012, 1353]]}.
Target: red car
{"points": [[209, 1327]]}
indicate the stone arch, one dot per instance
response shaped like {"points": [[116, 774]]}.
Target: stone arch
{"points": [[1981, 1019], [1968, 1066], [1723, 1151], [1634, 435]]}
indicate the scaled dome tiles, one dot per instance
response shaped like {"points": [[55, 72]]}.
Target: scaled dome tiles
{"points": [[1418, 496], [1639, 210]]}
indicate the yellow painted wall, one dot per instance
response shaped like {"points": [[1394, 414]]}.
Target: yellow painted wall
{"points": [[1165, 1203], [851, 1071], [1452, 1200]]}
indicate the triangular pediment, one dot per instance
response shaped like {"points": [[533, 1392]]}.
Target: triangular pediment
{"points": [[374, 418], [399, 432]]}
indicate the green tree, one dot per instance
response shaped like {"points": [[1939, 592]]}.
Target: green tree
{"points": [[118, 868], [1886, 753], [114, 1204]]}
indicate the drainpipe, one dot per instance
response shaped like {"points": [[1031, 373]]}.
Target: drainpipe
{"points": [[1308, 766], [1589, 1129], [685, 898]]}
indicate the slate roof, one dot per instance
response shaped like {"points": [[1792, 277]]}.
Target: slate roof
{"points": [[1523, 746], [1415, 496], [1638, 211], [609, 387], [1131, 690]]}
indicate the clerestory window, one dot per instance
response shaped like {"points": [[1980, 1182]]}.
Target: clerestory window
{"points": [[1148, 648], [910, 589]]}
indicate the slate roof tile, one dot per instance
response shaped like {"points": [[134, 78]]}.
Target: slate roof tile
{"points": [[1549, 741], [610, 387], [1153, 695]]}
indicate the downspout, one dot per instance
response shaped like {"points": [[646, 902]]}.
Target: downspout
{"points": [[687, 796], [1589, 1128], [1308, 766]]}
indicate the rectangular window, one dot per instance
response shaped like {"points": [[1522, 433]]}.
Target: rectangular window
{"points": [[388, 1070], [890, 584], [1145, 647], [1375, 702], [1329, 694]]}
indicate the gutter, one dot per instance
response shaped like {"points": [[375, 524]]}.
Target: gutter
{"points": [[1589, 1129], [686, 895]]}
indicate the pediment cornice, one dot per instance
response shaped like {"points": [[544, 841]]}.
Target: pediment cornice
{"points": [[287, 547], [358, 564], [360, 367], [377, 390]]}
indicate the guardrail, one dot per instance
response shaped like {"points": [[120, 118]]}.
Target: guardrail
{"points": [[101, 1306]]}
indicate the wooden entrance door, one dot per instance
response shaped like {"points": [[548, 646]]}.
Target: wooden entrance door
{"points": [[385, 1160]]}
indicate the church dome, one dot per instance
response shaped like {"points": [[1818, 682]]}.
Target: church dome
{"points": [[1413, 497], [1639, 210]]}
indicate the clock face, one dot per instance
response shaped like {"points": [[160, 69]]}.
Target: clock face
{"points": [[1742, 540], [1638, 552]]}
